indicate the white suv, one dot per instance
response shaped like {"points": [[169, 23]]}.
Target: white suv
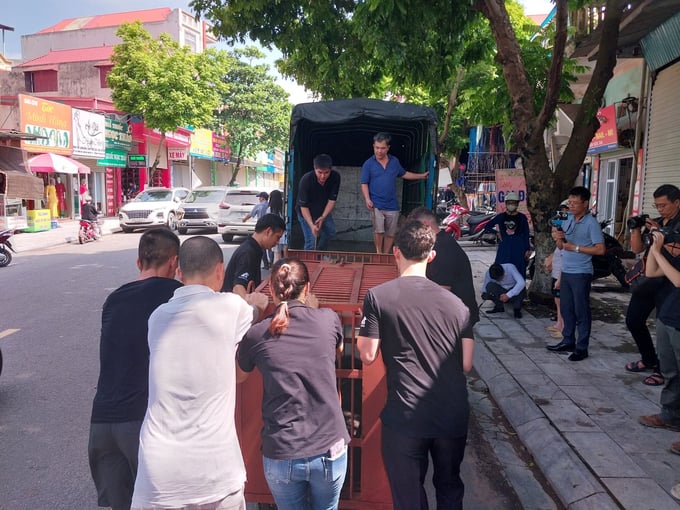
{"points": [[237, 202], [200, 209], [153, 207]]}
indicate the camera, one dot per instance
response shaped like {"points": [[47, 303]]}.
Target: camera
{"points": [[557, 220], [669, 236], [637, 221]]}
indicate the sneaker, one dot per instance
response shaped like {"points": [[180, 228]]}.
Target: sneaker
{"points": [[486, 297]]}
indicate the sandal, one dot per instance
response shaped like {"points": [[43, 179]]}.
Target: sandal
{"points": [[637, 366], [556, 334], [656, 379]]}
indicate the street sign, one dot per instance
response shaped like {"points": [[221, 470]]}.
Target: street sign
{"points": [[136, 160]]}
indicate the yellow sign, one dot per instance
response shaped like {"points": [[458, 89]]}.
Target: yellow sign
{"points": [[201, 143], [39, 220]]}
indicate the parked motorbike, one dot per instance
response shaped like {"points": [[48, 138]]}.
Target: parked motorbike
{"points": [[443, 209], [6, 248], [603, 265], [469, 225], [89, 231]]}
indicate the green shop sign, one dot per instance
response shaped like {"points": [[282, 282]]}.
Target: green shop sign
{"points": [[115, 158], [118, 135]]}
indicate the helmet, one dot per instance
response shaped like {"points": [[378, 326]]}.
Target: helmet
{"points": [[512, 197]]}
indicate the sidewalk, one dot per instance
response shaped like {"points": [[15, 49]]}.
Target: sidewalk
{"points": [[578, 419], [67, 232]]}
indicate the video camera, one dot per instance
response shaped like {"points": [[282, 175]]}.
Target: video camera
{"points": [[637, 221], [557, 220], [670, 236]]}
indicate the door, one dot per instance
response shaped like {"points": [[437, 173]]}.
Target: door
{"points": [[608, 190]]}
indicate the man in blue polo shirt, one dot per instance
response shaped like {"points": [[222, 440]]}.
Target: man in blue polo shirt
{"points": [[580, 237], [379, 187]]}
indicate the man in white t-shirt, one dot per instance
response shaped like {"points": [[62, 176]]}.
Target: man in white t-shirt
{"points": [[189, 454]]}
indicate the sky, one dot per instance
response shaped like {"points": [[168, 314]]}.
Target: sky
{"points": [[24, 21]]}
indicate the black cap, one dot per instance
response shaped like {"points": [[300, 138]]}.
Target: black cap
{"points": [[263, 194]]}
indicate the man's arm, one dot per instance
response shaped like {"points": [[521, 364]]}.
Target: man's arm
{"points": [[307, 215], [327, 210], [468, 354], [412, 176], [519, 281], [368, 349], [241, 375], [367, 195]]}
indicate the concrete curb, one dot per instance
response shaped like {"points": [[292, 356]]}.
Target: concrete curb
{"points": [[576, 486]]}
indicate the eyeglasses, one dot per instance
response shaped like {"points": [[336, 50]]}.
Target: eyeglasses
{"points": [[660, 206]]}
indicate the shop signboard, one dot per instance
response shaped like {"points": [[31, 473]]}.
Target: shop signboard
{"points": [[512, 179], [136, 160], [114, 158], [201, 143], [221, 150], [89, 134], [49, 120], [109, 186], [39, 220], [177, 154], [606, 137], [118, 135]]}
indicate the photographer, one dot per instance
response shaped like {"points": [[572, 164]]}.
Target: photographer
{"points": [[664, 260], [644, 300]]}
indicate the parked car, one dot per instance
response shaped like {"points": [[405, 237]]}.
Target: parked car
{"points": [[153, 207], [237, 202], [200, 209]]}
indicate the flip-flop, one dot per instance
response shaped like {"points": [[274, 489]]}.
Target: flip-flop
{"points": [[655, 379], [552, 328], [638, 366], [556, 334]]}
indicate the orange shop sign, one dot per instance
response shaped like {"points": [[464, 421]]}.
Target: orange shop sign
{"points": [[46, 119], [606, 137]]}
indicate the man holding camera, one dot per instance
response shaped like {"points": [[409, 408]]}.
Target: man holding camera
{"points": [[642, 303], [580, 237]]}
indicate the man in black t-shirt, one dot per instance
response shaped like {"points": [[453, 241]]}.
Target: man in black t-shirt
{"points": [[419, 327], [317, 193], [243, 271], [122, 393], [667, 202]]}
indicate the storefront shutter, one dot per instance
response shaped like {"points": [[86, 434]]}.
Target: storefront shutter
{"points": [[663, 137]]}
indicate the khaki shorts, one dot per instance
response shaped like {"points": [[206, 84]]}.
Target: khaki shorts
{"points": [[385, 222]]}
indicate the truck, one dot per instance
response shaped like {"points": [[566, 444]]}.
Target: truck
{"points": [[341, 276]]}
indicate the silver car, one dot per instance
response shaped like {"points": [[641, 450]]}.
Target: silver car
{"points": [[236, 204], [200, 209], [153, 207]]}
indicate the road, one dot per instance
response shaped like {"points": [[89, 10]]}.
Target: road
{"points": [[50, 312]]}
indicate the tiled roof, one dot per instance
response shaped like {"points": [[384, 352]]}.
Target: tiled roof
{"points": [[109, 20], [98, 53]]}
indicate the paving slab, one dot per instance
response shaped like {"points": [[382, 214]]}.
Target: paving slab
{"points": [[640, 494], [604, 455]]}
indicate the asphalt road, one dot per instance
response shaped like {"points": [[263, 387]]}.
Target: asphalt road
{"points": [[50, 312]]}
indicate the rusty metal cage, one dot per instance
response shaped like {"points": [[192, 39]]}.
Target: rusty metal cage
{"points": [[340, 281]]}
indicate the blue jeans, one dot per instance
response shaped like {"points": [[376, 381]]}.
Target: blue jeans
{"points": [[326, 233], [312, 483], [575, 308]]}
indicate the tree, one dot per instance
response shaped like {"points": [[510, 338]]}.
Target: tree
{"points": [[342, 48], [255, 111], [164, 82]]}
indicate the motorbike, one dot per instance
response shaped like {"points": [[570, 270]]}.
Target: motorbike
{"points": [[443, 209], [609, 264], [89, 231], [473, 228], [6, 247]]}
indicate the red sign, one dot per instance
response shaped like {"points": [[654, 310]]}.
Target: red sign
{"points": [[606, 137], [175, 154], [220, 147], [110, 204]]}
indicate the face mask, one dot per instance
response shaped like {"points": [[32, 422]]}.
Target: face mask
{"points": [[511, 207]]}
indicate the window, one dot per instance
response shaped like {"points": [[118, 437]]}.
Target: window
{"points": [[103, 73], [190, 40], [42, 81]]}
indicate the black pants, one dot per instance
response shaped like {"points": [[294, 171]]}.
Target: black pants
{"points": [[639, 310], [494, 290], [406, 461]]}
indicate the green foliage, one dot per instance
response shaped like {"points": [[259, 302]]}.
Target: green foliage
{"points": [[163, 81]]}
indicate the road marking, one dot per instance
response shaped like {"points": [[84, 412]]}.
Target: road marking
{"points": [[7, 332]]}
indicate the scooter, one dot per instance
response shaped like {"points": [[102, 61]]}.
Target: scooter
{"points": [[473, 229], [89, 231], [6, 248]]}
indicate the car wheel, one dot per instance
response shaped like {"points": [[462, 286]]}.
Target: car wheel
{"points": [[127, 230], [182, 230], [172, 221], [227, 238]]}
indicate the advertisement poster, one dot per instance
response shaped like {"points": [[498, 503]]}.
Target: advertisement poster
{"points": [[109, 184], [89, 134], [512, 179], [51, 121], [202, 143], [606, 137]]}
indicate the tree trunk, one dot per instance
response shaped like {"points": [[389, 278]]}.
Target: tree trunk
{"points": [[237, 167], [449, 107]]}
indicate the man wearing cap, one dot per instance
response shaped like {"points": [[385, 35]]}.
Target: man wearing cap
{"points": [[513, 228], [317, 193]]}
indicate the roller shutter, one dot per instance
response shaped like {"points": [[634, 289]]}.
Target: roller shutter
{"points": [[663, 136]]}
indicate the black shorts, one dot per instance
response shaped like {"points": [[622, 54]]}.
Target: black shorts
{"points": [[112, 451], [555, 292]]}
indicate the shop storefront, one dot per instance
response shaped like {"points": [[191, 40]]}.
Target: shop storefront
{"points": [[89, 145], [17, 188], [118, 142]]}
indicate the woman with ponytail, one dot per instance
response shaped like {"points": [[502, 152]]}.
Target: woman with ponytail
{"points": [[304, 438]]}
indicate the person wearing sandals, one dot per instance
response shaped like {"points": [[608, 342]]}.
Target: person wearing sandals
{"points": [[304, 437], [667, 202], [667, 328]]}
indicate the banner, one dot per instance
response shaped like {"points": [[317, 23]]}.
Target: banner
{"points": [[512, 179], [606, 136], [202, 143], [89, 134], [46, 119]]}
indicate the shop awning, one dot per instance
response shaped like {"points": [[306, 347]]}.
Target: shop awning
{"points": [[15, 181]]}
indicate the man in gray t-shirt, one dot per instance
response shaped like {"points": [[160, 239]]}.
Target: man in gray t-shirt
{"points": [[580, 237]]}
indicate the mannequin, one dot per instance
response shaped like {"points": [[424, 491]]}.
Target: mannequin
{"points": [[61, 197], [51, 194]]}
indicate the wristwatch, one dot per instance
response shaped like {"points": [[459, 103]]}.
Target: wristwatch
{"points": [[577, 249]]}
